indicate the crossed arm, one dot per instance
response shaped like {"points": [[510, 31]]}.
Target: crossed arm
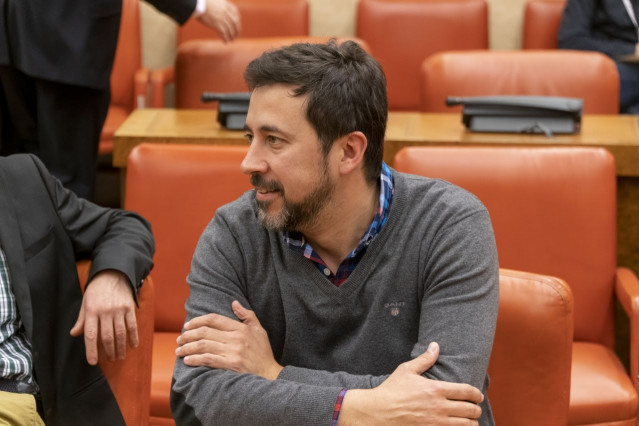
{"points": [[405, 397], [227, 362]]}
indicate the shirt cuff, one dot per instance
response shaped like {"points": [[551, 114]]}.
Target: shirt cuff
{"points": [[200, 8], [338, 406]]}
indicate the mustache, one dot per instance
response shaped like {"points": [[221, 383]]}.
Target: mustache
{"points": [[259, 182]]}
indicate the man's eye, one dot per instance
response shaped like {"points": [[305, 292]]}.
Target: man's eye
{"points": [[249, 137], [273, 139]]}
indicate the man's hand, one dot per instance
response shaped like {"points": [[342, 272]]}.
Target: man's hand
{"points": [[219, 342], [407, 398], [223, 16], [108, 311]]}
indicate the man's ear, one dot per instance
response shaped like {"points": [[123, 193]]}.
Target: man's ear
{"points": [[353, 146]]}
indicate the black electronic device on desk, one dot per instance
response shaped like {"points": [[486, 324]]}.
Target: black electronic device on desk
{"points": [[520, 114], [232, 108]]}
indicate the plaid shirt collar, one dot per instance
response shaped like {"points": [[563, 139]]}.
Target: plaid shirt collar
{"points": [[298, 243]]}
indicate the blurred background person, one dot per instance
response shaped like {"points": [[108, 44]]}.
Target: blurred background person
{"points": [[56, 58], [609, 27]]}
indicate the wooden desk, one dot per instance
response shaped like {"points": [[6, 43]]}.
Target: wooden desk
{"points": [[619, 134], [171, 126]]}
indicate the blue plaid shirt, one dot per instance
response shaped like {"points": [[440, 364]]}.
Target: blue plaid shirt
{"points": [[15, 350], [298, 243]]}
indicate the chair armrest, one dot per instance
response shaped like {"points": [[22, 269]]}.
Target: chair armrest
{"points": [[142, 87], [627, 289], [130, 378], [159, 80], [83, 267]]}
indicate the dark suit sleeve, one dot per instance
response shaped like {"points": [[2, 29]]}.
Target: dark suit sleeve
{"points": [[111, 238], [576, 30], [179, 10]]}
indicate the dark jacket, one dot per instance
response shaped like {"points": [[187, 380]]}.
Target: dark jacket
{"points": [[69, 41], [600, 25], [44, 228]]}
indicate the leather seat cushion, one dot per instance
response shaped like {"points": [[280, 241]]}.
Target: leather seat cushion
{"points": [[601, 389], [164, 345]]}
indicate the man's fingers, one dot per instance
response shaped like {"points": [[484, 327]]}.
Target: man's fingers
{"points": [[200, 347], [463, 392], [91, 330], [234, 12], [218, 322], [78, 327], [132, 328], [107, 337], [247, 316], [119, 327], [205, 360], [214, 360], [233, 16], [465, 410], [424, 361], [202, 333]]}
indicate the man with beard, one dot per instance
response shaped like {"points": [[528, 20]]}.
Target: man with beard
{"points": [[339, 289]]}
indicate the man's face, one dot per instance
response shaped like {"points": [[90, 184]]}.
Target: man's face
{"points": [[287, 167]]}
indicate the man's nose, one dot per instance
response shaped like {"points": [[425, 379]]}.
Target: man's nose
{"points": [[254, 162]]}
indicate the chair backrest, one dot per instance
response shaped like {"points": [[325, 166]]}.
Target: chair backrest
{"points": [[541, 22], [130, 378], [128, 60], [128, 56], [178, 188], [402, 33], [215, 66], [553, 212], [260, 18], [532, 353], [591, 76]]}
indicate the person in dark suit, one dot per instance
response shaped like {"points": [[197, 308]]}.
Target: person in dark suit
{"points": [[44, 229], [609, 27], [56, 58]]}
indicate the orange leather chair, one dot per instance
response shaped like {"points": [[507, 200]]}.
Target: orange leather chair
{"points": [[129, 81], [591, 76], [541, 22], [177, 188], [530, 364], [130, 379], [554, 212], [215, 66], [402, 33], [259, 18]]}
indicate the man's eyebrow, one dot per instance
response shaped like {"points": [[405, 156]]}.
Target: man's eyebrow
{"points": [[265, 128], [270, 129]]}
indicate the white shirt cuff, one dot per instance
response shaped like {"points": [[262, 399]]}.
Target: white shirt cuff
{"points": [[200, 8]]}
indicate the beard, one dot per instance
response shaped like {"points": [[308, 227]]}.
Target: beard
{"points": [[294, 216]]}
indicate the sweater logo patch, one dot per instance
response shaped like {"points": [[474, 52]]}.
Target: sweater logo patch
{"points": [[394, 308]]}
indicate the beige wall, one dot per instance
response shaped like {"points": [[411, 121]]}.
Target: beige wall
{"points": [[505, 20], [328, 17]]}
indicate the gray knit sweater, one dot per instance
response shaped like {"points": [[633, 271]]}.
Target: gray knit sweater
{"points": [[431, 274]]}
